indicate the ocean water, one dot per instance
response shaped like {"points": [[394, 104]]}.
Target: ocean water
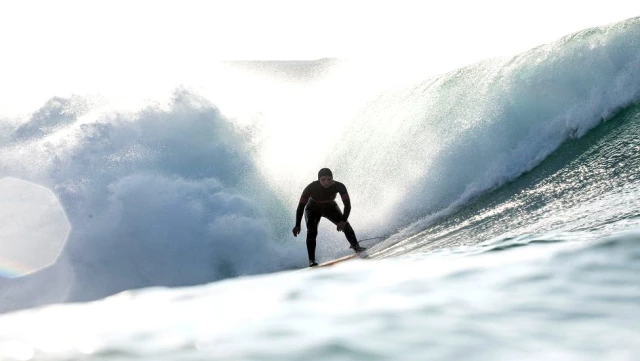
{"points": [[506, 194]]}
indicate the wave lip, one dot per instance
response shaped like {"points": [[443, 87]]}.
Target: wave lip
{"points": [[433, 147]]}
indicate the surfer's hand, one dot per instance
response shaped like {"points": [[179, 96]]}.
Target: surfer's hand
{"points": [[341, 226], [296, 231]]}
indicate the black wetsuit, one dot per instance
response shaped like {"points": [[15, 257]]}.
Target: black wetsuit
{"points": [[317, 202]]}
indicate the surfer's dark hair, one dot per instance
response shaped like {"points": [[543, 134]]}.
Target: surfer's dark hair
{"points": [[325, 171]]}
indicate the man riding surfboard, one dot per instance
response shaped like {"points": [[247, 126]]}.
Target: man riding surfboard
{"points": [[317, 201]]}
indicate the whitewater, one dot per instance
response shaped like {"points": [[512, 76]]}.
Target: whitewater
{"points": [[506, 193]]}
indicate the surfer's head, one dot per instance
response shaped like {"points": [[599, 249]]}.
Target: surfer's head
{"points": [[325, 177]]}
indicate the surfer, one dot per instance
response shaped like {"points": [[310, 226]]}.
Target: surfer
{"points": [[317, 201]]}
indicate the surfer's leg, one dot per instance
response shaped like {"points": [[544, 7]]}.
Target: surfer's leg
{"points": [[334, 214], [350, 234], [312, 218]]}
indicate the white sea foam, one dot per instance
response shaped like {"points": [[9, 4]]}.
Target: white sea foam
{"points": [[424, 151]]}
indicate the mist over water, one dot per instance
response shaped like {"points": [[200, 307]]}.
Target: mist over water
{"points": [[166, 196], [430, 148]]}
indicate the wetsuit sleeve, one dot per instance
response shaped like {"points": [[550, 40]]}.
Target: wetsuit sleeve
{"points": [[304, 198], [346, 201]]}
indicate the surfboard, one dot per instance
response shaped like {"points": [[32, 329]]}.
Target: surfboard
{"points": [[363, 254], [341, 259]]}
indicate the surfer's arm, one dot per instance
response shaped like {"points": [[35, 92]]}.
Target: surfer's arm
{"points": [[304, 198], [342, 189], [299, 213], [347, 206], [300, 210]]}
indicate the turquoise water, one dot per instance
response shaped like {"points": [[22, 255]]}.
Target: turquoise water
{"points": [[560, 299]]}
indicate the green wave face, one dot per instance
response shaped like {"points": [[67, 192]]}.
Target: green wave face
{"points": [[589, 186]]}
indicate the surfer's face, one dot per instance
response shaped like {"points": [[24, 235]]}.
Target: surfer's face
{"points": [[326, 181]]}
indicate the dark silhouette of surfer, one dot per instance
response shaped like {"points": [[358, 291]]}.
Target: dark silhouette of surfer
{"points": [[317, 201]]}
